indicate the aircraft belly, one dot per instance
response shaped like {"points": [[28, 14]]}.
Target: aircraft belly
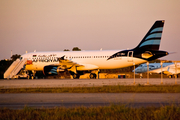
{"points": [[113, 63], [121, 63]]}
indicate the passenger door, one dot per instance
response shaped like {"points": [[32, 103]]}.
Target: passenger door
{"points": [[130, 56]]}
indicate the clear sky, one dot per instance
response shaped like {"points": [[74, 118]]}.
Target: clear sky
{"points": [[55, 25]]}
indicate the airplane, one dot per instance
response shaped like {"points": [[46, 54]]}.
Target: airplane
{"points": [[81, 62], [167, 68]]}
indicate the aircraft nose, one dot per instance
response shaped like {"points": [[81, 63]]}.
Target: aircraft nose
{"points": [[136, 70]]}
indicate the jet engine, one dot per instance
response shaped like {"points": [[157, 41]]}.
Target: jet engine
{"points": [[52, 70]]}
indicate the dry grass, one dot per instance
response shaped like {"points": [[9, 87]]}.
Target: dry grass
{"points": [[104, 89], [112, 112]]}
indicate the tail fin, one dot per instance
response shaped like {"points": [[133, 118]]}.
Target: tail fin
{"points": [[152, 39]]}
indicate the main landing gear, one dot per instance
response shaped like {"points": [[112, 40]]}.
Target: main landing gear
{"points": [[76, 76], [92, 76]]}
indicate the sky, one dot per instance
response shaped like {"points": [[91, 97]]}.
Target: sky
{"points": [[55, 25]]}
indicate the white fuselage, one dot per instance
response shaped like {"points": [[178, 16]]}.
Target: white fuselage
{"points": [[167, 68], [97, 58]]}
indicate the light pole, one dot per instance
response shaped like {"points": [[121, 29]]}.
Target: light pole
{"points": [[175, 72], [161, 72], [147, 73], [175, 63], [134, 74]]}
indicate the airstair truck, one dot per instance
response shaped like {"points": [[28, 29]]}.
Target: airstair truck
{"points": [[15, 68]]}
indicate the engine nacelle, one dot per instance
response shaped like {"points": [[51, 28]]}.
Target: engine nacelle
{"points": [[52, 70]]}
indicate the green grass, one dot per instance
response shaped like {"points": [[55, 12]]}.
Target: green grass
{"points": [[112, 112], [104, 89]]}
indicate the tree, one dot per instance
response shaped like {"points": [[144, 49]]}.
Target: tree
{"points": [[14, 57], [76, 49], [66, 50], [4, 65]]}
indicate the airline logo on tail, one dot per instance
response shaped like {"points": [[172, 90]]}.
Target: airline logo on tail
{"points": [[152, 39]]}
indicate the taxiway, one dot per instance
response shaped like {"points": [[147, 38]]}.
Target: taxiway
{"points": [[51, 100], [47, 83]]}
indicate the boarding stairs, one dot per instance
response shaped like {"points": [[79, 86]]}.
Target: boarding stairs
{"points": [[15, 67]]}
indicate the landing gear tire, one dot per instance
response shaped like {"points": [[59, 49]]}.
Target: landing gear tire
{"points": [[170, 76], [92, 76], [76, 76]]}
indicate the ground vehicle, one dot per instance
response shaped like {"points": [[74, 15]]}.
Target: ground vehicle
{"points": [[22, 74]]}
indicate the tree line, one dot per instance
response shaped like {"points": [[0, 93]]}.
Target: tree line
{"points": [[74, 49]]}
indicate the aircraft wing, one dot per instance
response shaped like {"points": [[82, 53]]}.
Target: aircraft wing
{"points": [[172, 70], [169, 70], [69, 64], [66, 64]]}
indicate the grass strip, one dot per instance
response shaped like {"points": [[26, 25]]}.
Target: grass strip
{"points": [[112, 112], [104, 89]]}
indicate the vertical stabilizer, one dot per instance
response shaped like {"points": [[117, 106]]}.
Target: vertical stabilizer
{"points": [[152, 39]]}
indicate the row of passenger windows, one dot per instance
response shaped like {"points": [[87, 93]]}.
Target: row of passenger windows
{"points": [[70, 57], [45, 58], [87, 57]]}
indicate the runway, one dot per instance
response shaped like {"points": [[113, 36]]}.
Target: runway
{"points": [[47, 83], [50, 100]]}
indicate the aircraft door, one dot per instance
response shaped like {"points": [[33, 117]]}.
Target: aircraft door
{"points": [[130, 56]]}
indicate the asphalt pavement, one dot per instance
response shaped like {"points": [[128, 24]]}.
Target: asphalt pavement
{"points": [[51, 100], [28, 83]]}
